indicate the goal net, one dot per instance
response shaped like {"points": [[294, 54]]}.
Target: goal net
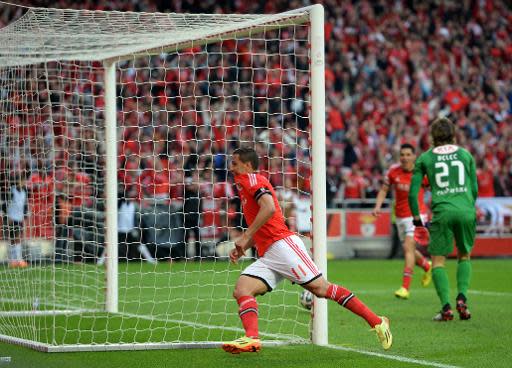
{"points": [[117, 206]]}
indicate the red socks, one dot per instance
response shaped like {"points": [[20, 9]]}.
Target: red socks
{"points": [[248, 312], [423, 263], [346, 299], [248, 308], [406, 281]]}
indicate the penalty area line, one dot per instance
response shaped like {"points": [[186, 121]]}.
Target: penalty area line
{"points": [[392, 357]]}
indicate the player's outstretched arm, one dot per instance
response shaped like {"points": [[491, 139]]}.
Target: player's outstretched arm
{"points": [[381, 196], [421, 234], [416, 182], [265, 213]]}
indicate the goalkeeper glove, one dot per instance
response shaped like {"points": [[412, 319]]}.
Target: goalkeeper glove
{"points": [[421, 234]]}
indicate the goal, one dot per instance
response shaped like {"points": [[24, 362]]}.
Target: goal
{"points": [[117, 206]]}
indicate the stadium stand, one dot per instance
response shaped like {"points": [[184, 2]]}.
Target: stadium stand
{"points": [[392, 67]]}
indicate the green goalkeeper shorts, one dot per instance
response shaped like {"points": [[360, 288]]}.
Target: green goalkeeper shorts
{"points": [[448, 226]]}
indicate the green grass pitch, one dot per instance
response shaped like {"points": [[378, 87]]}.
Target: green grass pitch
{"points": [[484, 341]]}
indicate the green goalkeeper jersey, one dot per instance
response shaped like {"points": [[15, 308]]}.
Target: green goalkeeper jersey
{"points": [[451, 173]]}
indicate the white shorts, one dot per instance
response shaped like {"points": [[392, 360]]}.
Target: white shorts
{"points": [[405, 226], [286, 258]]}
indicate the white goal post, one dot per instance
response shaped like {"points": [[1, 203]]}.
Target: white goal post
{"points": [[83, 94]]}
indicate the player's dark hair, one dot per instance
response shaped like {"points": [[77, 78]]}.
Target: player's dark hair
{"points": [[248, 154], [407, 146], [442, 131]]}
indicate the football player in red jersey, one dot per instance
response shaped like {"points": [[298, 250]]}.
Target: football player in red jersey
{"points": [[399, 177], [282, 254]]}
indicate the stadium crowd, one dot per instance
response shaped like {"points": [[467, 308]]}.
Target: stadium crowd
{"points": [[391, 67]]}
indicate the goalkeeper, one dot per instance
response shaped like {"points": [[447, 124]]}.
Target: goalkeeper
{"points": [[282, 254], [452, 175]]}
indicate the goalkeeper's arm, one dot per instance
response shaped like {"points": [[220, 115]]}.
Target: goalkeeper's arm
{"points": [[421, 235], [416, 181]]}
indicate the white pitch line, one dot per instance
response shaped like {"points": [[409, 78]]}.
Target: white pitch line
{"points": [[489, 293], [419, 291], [292, 339], [393, 357]]}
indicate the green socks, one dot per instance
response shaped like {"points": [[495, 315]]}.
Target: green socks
{"points": [[441, 283], [463, 276]]}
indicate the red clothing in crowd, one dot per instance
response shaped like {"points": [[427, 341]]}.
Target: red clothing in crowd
{"points": [[355, 185], [213, 196], [485, 183], [40, 203]]}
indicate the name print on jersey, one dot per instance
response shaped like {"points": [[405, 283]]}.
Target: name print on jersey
{"points": [[449, 171]]}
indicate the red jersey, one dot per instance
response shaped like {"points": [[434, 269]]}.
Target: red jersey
{"points": [[401, 181], [214, 198], [154, 184], [354, 185], [250, 188], [485, 180], [40, 203]]}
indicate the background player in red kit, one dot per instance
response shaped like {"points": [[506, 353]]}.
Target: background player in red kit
{"points": [[399, 177], [281, 255]]}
